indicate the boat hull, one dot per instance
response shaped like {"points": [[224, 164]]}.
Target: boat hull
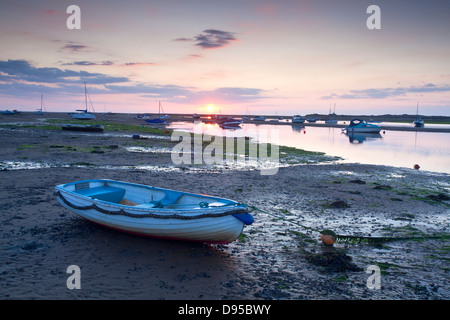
{"points": [[155, 121], [83, 116], [215, 225], [360, 126], [80, 127], [419, 124], [363, 130]]}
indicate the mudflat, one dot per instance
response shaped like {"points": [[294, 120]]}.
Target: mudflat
{"points": [[280, 256]]}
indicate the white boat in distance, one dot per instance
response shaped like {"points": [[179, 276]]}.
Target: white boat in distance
{"points": [[155, 212], [298, 119], [259, 118], [418, 123], [84, 114], [40, 111], [361, 126]]}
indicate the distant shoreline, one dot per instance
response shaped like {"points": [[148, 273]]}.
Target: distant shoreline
{"points": [[129, 118]]}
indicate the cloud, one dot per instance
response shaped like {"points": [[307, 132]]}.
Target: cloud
{"points": [[128, 64], [20, 78], [190, 95], [21, 70], [211, 39], [74, 47], [388, 92], [89, 63]]}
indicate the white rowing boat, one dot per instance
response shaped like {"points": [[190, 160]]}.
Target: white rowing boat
{"points": [[155, 212]]}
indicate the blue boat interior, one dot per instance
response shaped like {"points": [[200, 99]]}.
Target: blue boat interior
{"points": [[156, 198], [105, 193], [116, 194]]}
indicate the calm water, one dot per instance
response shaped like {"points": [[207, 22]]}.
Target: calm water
{"points": [[430, 150]]}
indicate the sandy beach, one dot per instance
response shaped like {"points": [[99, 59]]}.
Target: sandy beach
{"points": [[275, 258]]}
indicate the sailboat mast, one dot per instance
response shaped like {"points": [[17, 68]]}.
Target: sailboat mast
{"points": [[85, 96]]}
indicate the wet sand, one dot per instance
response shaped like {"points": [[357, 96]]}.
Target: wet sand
{"points": [[275, 258]]}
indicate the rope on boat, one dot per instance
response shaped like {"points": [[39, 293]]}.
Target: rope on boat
{"points": [[151, 215], [353, 239]]}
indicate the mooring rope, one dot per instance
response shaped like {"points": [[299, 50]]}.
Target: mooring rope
{"points": [[352, 239], [149, 214]]}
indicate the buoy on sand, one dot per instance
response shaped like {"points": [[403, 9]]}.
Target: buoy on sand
{"points": [[328, 237], [416, 166]]}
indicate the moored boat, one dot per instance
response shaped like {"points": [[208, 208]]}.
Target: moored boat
{"points": [[227, 122], [83, 114], [259, 118], [155, 121], [418, 123], [83, 127], [298, 119], [41, 110], [361, 126], [155, 212]]}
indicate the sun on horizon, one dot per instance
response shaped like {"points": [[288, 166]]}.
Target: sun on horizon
{"points": [[211, 107]]}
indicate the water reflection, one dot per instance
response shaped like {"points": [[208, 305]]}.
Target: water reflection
{"points": [[357, 138], [431, 150], [298, 128]]}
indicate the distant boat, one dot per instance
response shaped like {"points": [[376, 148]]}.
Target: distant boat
{"points": [[82, 127], [331, 121], [84, 114], [160, 119], [155, 121], [40, 111], [298, 119], [418, 123], [361, 126], [229, 122], [142, 116], [311, 120], [9, 112], [196, 116], [155, 212], [259, 118]]}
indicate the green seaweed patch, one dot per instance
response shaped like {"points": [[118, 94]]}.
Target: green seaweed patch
{"points": [[27, 146]]}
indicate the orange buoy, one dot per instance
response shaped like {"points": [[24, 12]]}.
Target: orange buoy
{"points": [[328, 237], [416, 166]]}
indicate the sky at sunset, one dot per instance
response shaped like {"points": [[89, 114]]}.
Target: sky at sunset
{"points": [[280, 57]]}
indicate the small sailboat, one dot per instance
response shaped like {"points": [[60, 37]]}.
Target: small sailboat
{"points": [[418, 123], [155, 212], [330, 120], [40, 111], [83, 114], [161, 119]]}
